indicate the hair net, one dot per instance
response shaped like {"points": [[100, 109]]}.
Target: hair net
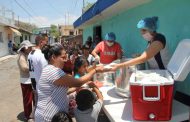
{"points": [[149, 23], [110, 36]]}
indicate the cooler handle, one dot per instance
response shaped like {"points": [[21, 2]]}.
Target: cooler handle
{"points": [[151, 98]]}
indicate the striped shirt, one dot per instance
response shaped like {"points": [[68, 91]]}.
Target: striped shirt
{"points": [[51, 98]]}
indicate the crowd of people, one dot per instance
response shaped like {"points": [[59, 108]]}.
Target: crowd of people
{"points": [[58, 78], [49, 74]]}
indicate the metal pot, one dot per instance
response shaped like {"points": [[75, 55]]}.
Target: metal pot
{"points": [[122, 80], [141, 66]]}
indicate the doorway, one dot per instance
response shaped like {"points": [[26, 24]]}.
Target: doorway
{"points": [[97, 33]]}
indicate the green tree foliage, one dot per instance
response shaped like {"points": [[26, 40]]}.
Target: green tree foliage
{"points": [[54, 31]]}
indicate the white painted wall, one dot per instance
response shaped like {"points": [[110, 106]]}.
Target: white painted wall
{"points": [[3, 45]]}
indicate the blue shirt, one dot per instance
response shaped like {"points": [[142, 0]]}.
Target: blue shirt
{"points": [[77, 76]]}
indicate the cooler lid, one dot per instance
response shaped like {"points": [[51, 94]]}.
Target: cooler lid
{"points": [[179, 65], [151, 78]]}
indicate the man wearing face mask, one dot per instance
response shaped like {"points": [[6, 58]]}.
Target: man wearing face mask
{"points": [[156, 53], [108, 49]]}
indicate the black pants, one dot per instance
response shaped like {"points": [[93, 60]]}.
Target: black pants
{"points": [[33, 83]]}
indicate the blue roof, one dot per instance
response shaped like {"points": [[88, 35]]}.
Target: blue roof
{"points": [[96, 9]]}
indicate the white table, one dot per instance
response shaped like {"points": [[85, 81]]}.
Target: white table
{"points": [[119, 109]]}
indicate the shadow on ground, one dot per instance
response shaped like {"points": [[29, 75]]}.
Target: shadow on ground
{"points": [[20, 117]]}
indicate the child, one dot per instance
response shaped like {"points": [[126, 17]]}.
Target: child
{"points": [[61, 117], [80, 66], [88, 107]]}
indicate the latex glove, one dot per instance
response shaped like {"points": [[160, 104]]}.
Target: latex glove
{"points": [[97, 59]]}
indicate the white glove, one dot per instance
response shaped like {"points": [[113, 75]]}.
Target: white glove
{"points": [[97, 59]]}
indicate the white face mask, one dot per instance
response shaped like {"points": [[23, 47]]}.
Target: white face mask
{"points": [[109, 43], [147, 36]]}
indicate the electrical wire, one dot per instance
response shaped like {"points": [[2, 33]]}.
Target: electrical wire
{"points": [[34, 13], [55, 9], [26, 11], [29, 7]]}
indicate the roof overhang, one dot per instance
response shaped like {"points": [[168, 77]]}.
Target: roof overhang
{"points": [[111, 10], [24, 30], [16, 31]]}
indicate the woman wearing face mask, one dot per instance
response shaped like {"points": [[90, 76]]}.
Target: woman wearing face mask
{"points": [[156, 53], [109, 50]]}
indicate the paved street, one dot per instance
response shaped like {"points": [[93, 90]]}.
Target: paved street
{"points": [[10, 93]]}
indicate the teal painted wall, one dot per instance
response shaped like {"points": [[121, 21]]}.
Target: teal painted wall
{"points": [[174, 24], [87, 32]]}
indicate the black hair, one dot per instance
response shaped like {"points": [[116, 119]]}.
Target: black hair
{"points": [[89, 38], [54, 49], [61, 117], [80, 61], [86, 47], [85, 99], [89, 41], [23, 50]]}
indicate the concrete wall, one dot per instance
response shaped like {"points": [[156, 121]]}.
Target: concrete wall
{"points": [[4, 45], [174, 24]]}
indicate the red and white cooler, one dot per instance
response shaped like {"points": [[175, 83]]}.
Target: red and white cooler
{"points": [[152, 90]]}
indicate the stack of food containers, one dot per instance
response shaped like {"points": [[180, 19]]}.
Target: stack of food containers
{"points": [[152, 90]]}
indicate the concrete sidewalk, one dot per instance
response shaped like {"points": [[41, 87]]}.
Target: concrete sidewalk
{"points": [[7, 57]]}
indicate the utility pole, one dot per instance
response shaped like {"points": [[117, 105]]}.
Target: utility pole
{"points": [[68, 19], [65, 19], [83, 6], [18, 21]]}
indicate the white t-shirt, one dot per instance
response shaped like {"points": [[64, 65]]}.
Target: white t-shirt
{"points": [[37, 62], [25, 81]]}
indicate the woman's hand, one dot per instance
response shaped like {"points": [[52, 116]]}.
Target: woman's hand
{"points": [[100, 68], [114, 67]]}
